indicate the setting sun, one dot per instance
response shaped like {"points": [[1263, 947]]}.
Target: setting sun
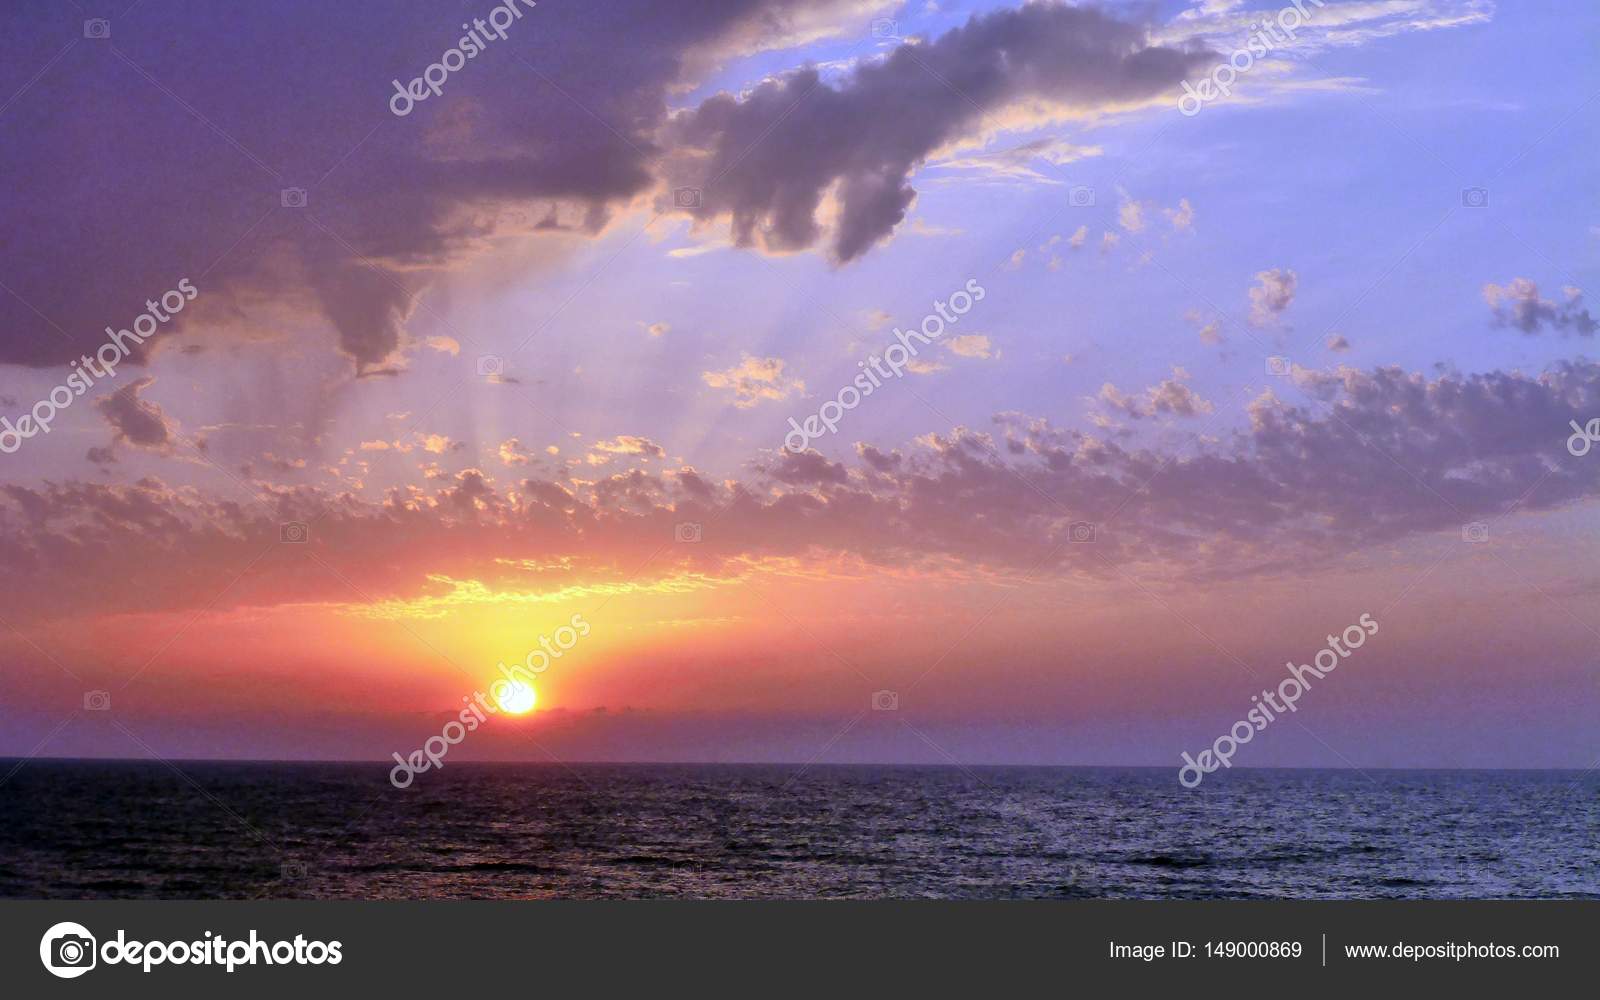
{"points": [[519, 699]]}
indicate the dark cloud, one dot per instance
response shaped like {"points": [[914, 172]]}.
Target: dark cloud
{"points": [[135, 421], [878, 460], [1518, 304], [807, 469], [1169, 397], [768, 158], [165, 151], [1305, 483]]}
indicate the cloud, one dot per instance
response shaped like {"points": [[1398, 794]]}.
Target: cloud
{"points": [[444, 345], [625, 444], [753, 380], [919, 227], [134, 421], [1079, 237], [1209, 328], [1272, 294], [1338, 343], [876, 319], [765, 160], [512, 452], [513, 159], [1300, 485], [971, 345], [1130, 215], [1226, 24], [1182, 217], [657, 329], [1518, 304], [807, 469], [1016, 163], [1170, 397], [921, 366], [438, 444]]}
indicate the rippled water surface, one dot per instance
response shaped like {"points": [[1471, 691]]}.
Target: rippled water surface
{"points": [[88, 829]]}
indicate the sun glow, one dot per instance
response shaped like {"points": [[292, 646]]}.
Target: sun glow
{"points": [[519, 699]]}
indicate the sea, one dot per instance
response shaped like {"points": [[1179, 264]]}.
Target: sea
{"points": [[104, 829]]}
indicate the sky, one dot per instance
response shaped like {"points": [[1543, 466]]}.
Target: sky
{"points": [[565, 338]]}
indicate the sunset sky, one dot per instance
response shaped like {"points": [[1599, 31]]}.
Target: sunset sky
{"points": [[532, 349]]}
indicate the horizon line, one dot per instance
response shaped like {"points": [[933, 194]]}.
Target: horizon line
{"points": [[759, 763]]}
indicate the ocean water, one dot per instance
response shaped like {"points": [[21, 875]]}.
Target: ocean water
{"points": [[80, 829]]}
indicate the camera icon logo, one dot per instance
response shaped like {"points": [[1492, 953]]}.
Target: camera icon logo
{"points": [[886, 701], [1475, 197], [1080, 531], [97, 701], [97, 27], [294, 532], [1279, 365], [293, 871], [1476, 532], [68, 950], [491, 365], [885, 27], [293, 197], [686, 197], [1081, 196], [688, 531]]}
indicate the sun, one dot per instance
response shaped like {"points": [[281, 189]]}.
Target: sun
{"points": [[519, 699]]}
